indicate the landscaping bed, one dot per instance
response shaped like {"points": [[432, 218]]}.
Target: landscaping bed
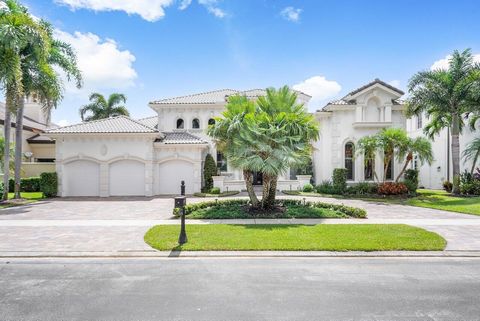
{"points": [[240, 209], [27, 198], [323, 237], [222, 194]]}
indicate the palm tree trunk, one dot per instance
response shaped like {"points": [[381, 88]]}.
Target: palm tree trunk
{"points": [[409, 159], [18, 145], [385, 168], [474, 162], [456, 153], [270, 202], [248, 177], [266, 190], [6, 133]]}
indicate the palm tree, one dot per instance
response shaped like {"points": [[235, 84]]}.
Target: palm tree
{"points": [[18, 30], [472, 152], [2, 151], [226, 130], [420, 147], [101, 108], [40, 78], [390, 140], [447, 96], [368, 146]]}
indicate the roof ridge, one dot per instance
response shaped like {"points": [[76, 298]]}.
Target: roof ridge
{"points": [[191, 95]]}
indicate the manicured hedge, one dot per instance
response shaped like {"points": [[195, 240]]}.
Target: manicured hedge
{"points": [[48, 184], [29, 184], [347, 210]]}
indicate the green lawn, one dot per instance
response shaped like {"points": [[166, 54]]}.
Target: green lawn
{"points": [[441, 200], [29, 197], [362, 237]]}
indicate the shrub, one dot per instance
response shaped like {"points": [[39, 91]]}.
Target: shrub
{"points": [[447, 186], [391, 188], [209, 170], [308, 188], [363, 188], [472, 188], [339, 179], [215, 190], [48, 184], [411, 180], [28, 184], [326, 187]]}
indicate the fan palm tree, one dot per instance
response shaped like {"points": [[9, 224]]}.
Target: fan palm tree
{"points": [[18, 30], [420, 147], [226, 131], [472, 152], [39, 77], [447, 96], [100, 108], [390, 140]]}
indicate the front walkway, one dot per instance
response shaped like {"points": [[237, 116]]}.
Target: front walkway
{"points": [[114, 225]]}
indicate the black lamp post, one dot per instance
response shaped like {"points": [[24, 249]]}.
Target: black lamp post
{"points": [[180, 202]]}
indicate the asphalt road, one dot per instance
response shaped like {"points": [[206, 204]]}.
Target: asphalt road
{"points": [[240, 289]]}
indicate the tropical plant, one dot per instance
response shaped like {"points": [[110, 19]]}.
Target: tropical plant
{"points": [[209, 170], [100, 108], [420, 147], [39, 77], [390, 140], [472, 153], [18, 31], [2, 153], [448, 97], [368, 147]]}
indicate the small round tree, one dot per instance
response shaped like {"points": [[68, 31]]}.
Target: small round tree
{"points": [[209, 170]]}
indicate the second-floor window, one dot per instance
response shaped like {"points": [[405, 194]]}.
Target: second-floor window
{"points": [[195, 123], [419, 122], [180, 123]]}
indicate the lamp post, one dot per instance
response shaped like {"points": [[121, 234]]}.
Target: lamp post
{"points": [[180, 202]]}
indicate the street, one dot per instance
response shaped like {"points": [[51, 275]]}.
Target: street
{"points": [[240, 289]]}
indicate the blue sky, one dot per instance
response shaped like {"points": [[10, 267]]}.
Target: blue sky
{"points": [[151, 49]]}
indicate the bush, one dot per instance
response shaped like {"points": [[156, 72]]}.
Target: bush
{"points": [[215, 190], [49, 184], [209, 170], [326, 187], [391, 188], [28, 184], [339, 179], [411, 180], [363, 188], [308, 188], [447, 186], [472, 188]]}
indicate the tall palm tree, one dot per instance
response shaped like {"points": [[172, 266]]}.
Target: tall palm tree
{"points": [[472, 152], [101, 108], [226, 131], [420, 147], [368, 147], [390, 140], [446, 96], [40, 78], [18, 30]]}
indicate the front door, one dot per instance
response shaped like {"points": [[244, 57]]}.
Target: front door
{"points": [[257, 178]]}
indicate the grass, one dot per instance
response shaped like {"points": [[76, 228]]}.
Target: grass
{"points": [[324, 237], [442, 200], [27, 198], [238, 212]]}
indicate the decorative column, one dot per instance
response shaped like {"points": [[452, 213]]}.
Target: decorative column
{"points": [[388, 112], [104, 180], [359, 113]]}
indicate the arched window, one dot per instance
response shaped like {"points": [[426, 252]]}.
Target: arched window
{"points": [[389, 170], [369, 167], [349, 164], [211, 121], [195, 123], [180, 123]]}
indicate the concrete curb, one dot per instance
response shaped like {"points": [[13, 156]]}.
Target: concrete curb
{"points": [[243, 254]]}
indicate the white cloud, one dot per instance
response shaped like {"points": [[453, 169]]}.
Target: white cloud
{"points": [[319, 88], [184, 4], [443, 63], [291, 14], [395, 83], [102, 62], [150, 10], [212, 7]]}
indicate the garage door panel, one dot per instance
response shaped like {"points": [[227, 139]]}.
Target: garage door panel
{"points": [[170, 175], [127, 178], [82, 178]]}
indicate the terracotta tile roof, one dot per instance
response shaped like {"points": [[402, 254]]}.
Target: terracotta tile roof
{"points": [[180, 137], [119, 124]]}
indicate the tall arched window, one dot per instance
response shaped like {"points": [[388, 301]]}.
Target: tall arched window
{"points": [[211, 121], [180, 123], [195, 123], [349, 164]]}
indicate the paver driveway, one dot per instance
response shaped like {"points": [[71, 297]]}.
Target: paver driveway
{"points": [[118, 224]]}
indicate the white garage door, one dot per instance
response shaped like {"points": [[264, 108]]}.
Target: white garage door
{"points": [[82, 178], [170, 175], [127, 178]]}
